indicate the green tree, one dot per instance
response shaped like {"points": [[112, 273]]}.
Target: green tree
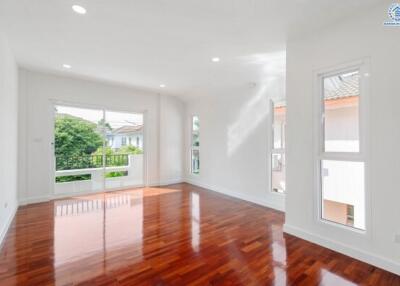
{"points": [[124, 150], [130, 150], [115, 157], [103, 124], [107, 151], [75, 137]]}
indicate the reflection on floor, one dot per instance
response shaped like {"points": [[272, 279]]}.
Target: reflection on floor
{"points": [[176, 235]]}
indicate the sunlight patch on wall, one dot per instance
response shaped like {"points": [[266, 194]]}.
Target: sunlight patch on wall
{"points": [[251, 115], [271, 64], [272, 86]]}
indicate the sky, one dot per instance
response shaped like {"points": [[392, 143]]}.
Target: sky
{"points": [[115, 119]]}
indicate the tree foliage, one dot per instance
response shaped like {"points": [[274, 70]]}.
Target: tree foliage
{"points": [[124, 150], [75, 137], [79, 145]]}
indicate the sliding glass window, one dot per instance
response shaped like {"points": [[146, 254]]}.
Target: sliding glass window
{"points": [[97, 149]]}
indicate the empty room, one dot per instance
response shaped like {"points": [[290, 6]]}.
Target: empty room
{"points": [[187, 142]]}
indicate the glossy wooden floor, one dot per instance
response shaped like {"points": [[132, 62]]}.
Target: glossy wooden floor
{"points": [[177, 235]]}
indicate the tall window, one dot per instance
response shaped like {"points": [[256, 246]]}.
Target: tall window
{"points": [[195, 145], [278, 173], [341, 156]]}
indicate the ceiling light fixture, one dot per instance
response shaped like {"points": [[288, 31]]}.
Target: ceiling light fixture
{"points": [[216, 59], [162, 85], [66, 66], [79, 9]]}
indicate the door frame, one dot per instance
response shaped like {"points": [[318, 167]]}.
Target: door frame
{"points": [[103, 108]]}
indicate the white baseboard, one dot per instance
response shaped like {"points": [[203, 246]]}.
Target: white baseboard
{"points": [[376, 260], [7, 224], [166, 182], [46, 198], [252, 199], [34, 200], [171, 182]]}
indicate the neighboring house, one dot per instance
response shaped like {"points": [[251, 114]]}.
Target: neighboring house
{"points": [[129, 135]]}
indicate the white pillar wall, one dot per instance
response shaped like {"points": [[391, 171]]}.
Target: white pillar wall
{"points": [[339, 45]]}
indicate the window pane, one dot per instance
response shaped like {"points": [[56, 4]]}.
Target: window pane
{"points": [[195, 162], [341, 108], [195, 140], [278, 172], [343, 198], [195, 123], [279, 125]]}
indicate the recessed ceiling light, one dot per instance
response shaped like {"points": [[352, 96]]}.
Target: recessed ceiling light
{"points": [[162, 85], [216, 59], [79, 9], [66, 66]]}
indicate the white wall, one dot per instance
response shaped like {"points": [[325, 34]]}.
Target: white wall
{"points": [[36, 127], [361, 36], [234, 138], [171, 140], [8, 135]]}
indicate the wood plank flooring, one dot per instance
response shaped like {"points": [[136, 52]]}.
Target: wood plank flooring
{"points": [[175, 235]]}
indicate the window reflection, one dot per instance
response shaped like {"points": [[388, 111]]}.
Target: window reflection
{"points": [[195, 214], [88, 227], [279, 255], [329, 278]]}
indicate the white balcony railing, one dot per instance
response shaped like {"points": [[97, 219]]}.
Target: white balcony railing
{"points": [[98, 181]]}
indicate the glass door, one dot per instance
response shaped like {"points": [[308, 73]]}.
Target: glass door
{"points": [[97, 149], [124, 149], [78, 149]]}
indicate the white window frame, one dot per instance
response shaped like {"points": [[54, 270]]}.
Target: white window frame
{"points": [[272, 149], [51, 114], [193, 148], [320, 155]]}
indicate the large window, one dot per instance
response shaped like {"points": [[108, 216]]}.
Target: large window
{"points": [[195, 145], [91, 149], [277, 154], [341, 156]]}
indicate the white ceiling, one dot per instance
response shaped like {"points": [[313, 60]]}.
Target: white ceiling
{"points": [[148, 42]]}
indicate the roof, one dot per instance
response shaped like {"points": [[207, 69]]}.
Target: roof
{"points": [[340, 86], [339, 91], [127, 129]]}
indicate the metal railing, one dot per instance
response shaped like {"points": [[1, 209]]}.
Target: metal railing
{"points": [[90, 161]]}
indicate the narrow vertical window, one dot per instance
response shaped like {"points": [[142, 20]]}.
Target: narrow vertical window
{"points": [[341, 158], [195, 145], [277, 157]]}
